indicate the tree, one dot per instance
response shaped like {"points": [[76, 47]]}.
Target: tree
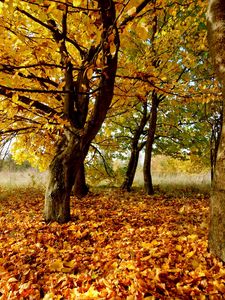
{"points": [[148, 185], [73, 143], [169, 72], [136, 147], [178, 71], [57, 80], [216, 33]]}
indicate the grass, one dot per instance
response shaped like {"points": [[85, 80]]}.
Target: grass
{"points": [[179, 183], [29, 178]]}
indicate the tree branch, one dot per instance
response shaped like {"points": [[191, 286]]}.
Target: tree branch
{"points": [[3, 87], [33, 103], [139, 8], [106, 166], [53, 30], [40, 64], [15, 130]]}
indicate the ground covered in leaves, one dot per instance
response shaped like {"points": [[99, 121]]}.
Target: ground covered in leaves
{"points": [[117, 246]]}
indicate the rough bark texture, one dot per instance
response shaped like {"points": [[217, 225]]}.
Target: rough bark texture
{"points": [[62, 172], [148, 186], [80, 188], [135, 151], [73, 147], [216, 33]]}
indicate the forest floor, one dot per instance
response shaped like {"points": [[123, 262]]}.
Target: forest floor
{"points": [[118, 245]]}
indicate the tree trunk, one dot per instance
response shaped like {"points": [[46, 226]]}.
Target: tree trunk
{"points": [[148, 185], [217, 203], [215, 139], [131, 170], [216, 34], [62, 173], [135, 151], [80, 188]]}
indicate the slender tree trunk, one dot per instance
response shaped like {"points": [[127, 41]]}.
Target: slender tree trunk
{"points": [[148, 185], [131, 170], [214, 141], [216, 33], [135, 151]]}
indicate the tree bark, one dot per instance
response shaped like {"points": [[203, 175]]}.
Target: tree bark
{"points": [[217, 203], [216, 126], [135, 151], [148, 185], [80, 188], [131, 170], [62, 173], [216, 34]]}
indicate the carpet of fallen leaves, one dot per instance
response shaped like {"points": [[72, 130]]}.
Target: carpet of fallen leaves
{"points": [[117, 246]]}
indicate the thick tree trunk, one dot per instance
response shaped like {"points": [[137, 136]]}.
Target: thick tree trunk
{"points": [[148, 185], [80, 188], [62, 173], [216, 33]]}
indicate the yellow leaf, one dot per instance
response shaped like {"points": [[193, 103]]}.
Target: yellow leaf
{"points": [[56, 265], [195, 263], [77, 2], [51, 249], [91, 294], [51, 7], [178, 248], [1, 7], [193, 237], [150, 245], [131, 11], [66, 270], [12, 280], [142, 31], [70, 264], [48, 296], [190, 254], [15, 97]]}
